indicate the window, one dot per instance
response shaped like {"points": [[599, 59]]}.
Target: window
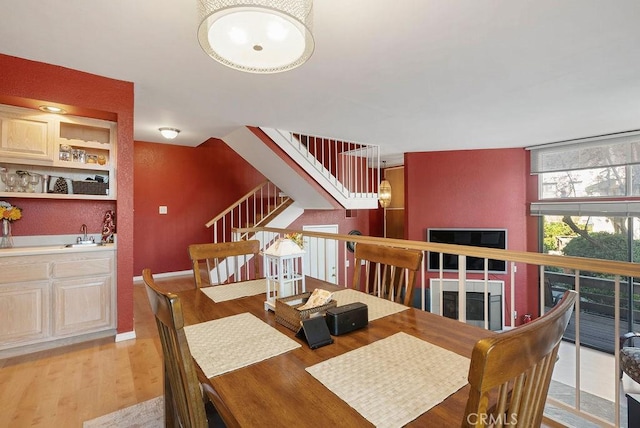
{"points": [[602, 167], [586, 209]]}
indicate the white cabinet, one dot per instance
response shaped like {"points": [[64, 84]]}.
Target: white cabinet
{"points": [[57, 147], [25, 137], [82, 293], [48, 300], [24, 309], [80, 305]]}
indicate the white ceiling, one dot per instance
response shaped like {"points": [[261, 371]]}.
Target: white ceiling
{"points": [[409, 75]]}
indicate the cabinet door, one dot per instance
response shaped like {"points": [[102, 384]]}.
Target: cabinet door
{"points": [[82, 305], [26, 138], [24, 313]]}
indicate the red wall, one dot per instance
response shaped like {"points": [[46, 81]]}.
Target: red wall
{"points": [[474, 189], [195, 184], [213, 176], [27, 84]]}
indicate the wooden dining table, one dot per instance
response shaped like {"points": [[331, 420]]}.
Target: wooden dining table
{"points": [[279, 391]]}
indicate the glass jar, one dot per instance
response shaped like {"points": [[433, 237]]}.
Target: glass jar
{"points": [[65, 153]]}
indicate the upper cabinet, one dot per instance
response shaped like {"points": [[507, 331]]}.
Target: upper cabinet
{"points": [[44, 155], [25, 137]]}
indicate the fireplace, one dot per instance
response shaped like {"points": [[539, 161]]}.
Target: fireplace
{"points": [[475, 308], [445, 294]]}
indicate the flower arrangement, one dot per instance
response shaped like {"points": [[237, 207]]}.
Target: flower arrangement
{"points": [[9, 212], [295, 237]]}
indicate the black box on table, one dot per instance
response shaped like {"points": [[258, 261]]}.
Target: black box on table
{"points": [[347, 318]]}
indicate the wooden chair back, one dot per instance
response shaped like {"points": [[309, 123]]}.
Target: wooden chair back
{"points": [[184, 400], [229, 261], [510, 372], [389, 272]]}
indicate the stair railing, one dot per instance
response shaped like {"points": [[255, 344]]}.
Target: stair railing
{"points": [[248, 211], [353, 169]]}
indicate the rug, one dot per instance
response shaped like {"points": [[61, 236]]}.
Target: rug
{"points": [[148, 414]]}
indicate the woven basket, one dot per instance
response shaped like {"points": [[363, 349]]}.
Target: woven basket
{"points": [[90, 188], [290, 317]]}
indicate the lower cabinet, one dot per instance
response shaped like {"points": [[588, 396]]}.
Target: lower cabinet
{"points": [[25, 309], [81, 305], [56, 299]]}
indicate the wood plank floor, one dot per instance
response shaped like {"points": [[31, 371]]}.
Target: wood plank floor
{"points": [[66, 386]]}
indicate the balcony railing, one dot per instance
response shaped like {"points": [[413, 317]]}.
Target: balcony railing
{"points": [[526, 276]]}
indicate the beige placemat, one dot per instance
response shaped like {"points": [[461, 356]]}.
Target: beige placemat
{"points": [[226, 344], [394, 380], [376, 307], [220, 293]]}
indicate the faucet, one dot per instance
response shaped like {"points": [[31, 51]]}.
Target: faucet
{"points": [[85, 237]]}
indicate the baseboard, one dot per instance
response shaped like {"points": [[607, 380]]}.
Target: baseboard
{"points": [[120, 337]]}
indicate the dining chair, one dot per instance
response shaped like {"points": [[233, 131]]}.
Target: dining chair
{"points": [[185, 404], [389, 272], [630, 355], [225, 261], [510, 372]]}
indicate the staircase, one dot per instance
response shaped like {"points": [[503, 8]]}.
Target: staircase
{"points": [[317, 172], [262, 205]]}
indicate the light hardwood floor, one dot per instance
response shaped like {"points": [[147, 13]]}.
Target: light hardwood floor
{"points": [[66, 386]]}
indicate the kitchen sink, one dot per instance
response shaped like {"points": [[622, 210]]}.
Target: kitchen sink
{"points": [[90, 244]]}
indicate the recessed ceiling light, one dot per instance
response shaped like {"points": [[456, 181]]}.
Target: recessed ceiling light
{"points": [[52, 109], [169, 133]]}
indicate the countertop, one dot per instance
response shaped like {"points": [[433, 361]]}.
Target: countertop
{"points": [[52, 249], [51, 244]]}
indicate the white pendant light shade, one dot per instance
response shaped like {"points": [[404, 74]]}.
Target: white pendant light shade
{"points": [[259, 36], [384, 193]]}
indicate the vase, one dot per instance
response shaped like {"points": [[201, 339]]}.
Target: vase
{"points": [[6, 240]]}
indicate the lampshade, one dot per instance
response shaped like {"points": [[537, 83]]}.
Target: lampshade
{"points": [[169, 133], [257, 36], [384, 193]]}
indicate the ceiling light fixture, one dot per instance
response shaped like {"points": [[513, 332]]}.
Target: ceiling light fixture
{"points": [[52, 109], [257, 36], [169, 133]]}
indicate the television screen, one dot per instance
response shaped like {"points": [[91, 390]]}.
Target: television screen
{"points": [[489, 238]]}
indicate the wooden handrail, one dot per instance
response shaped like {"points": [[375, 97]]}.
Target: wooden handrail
{"points": [[569, 262], [236, 203]]}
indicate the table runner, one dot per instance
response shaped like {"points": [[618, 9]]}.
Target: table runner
{"points": [[376, 307], [394, 380], [229, 343], [220, 293]]}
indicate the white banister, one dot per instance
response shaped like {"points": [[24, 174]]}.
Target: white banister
{"points": [[349, 171]]}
